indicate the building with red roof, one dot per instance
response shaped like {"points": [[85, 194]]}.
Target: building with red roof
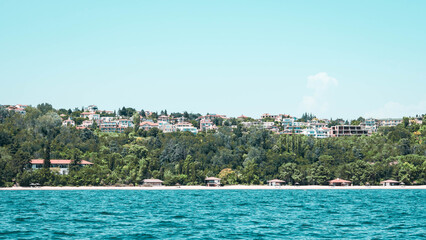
{"points": [[59, 165], [339, 182]]}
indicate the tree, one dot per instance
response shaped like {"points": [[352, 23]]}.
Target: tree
{"points": [[136, 121], [76, 160], [48, 126], [45, 108]]}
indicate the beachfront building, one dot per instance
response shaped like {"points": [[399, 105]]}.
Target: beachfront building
{"points": [[339, 182], [390, 182], [275, 182], [61, 166], [153, 182], [212, 182]]}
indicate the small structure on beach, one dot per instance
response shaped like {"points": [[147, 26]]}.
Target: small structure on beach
{"points": [[275, 182], [153, 182], [339, 182], [390, 182], [212, 182]]}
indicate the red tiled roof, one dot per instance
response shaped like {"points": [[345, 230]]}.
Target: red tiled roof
{"points": [[211, 178], [149, 123], [338, 180], [276, 180], [389, 181], [59, 161], [152, 180]]}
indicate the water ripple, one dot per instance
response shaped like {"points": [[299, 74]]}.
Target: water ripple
{"points": [[219, 214]]}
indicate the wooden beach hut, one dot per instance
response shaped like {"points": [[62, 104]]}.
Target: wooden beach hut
{"points": [[390, 182], [153, 182], [276, 182], [339, 182], [212, 182]]}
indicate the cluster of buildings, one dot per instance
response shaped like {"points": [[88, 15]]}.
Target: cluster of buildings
{"points": [[18, 108], [278, 123], [118, 124], [320, 128]]}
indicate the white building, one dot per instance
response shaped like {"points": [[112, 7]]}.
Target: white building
{"points": [[186, 127], [68, 122]]}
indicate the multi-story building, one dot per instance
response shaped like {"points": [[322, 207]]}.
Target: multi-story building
{"points": [[148, 125], [370, 124], [389, 122], [87, 123], [90, 115], [163, 118], [92, 108], [125, 123], [186, 127], [348, 130], [323, 132], [206, 124], [68, 122], [166, 127], [267, 115], [108, 126]]}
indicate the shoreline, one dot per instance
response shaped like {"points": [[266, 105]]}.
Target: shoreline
{"points": [[230, 187]]}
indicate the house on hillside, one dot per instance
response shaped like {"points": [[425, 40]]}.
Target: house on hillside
{"points": [[148, 125], [68, 122]]}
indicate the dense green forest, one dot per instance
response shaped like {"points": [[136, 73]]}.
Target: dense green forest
{"points": [[237, 155]]}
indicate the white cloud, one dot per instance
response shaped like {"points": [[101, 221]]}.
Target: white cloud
{"points": [[397, 110], [318, 102], [321, 81]]}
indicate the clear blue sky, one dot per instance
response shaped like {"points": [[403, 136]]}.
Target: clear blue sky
{"points": [[332, 58]]}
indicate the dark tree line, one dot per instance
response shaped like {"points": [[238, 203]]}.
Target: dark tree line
{"points": [[236, 154]]}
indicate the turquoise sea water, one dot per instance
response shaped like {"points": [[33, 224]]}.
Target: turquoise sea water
{"points": [[213, 214]]}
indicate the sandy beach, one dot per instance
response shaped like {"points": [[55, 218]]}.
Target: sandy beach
{"points": [[230, 187]]}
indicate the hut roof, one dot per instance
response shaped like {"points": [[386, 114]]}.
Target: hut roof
{"points": [[211, 178], [338, 180], [389, 181], [276, 181], [152, 180]]}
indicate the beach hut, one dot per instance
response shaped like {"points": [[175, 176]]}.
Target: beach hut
{"points": [[153, 182], [390, 182], [339, 182], [275, 182], [212, 182]]}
